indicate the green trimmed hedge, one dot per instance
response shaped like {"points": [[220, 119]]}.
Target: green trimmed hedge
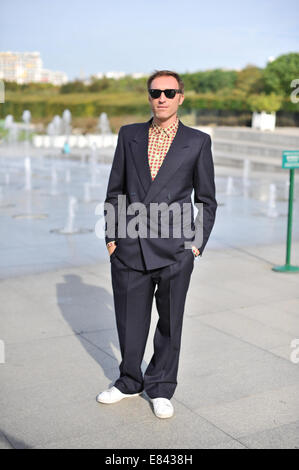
{"points": [[87, 105]]}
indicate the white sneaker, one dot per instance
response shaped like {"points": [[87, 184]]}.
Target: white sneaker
{"points": [[162, 407], [113, 395]]}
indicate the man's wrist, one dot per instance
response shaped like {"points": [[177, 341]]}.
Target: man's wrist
{"points": [[112, 243], [195, 251]]}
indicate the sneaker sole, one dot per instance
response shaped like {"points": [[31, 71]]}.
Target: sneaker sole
{"points": [[164, 417], [116, 401]]}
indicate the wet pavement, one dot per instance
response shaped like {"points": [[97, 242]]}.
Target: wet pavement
{"points": [[32, 219]]}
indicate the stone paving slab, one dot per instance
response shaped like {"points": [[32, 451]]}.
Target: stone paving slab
{"points": [[280, 437], [255, 413]]}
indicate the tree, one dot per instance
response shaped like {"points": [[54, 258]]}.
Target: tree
{"points": [[210, 80], [262, 102], [77, 86], [98, 85], [279, 74], [250, 80]]}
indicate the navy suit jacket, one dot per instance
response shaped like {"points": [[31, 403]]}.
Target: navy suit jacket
{"points": [[186, 169]]}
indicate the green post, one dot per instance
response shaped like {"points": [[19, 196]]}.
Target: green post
{"points": [[288, 267]]}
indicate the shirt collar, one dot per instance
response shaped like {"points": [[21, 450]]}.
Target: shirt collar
{"points": [[171, 129]]}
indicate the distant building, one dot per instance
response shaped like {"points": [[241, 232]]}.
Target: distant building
{"points": [[26, 67], [138, 75], [56, 78], [118, 75], [115, 75]]}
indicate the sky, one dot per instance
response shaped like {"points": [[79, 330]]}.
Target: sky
{"points": [[82, 38]]}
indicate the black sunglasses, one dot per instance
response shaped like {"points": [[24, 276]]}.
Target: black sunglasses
{"points": [[169, 93]]}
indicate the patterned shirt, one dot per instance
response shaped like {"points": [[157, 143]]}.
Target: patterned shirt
{"points": [[159, 141]]}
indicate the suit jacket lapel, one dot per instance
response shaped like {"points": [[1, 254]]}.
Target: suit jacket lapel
{"points": [[139, 147]]}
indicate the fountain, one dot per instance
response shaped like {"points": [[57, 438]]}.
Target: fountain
{"points": [[54, 180], [87, 197], [3, 204], [54, 129], [68, 175], [103, 124], [246, 172], [70, 228], [9, 124], [26, 118], [28, 174], [230, 189], [12, 134], [271, 211], [57, 125], [105, 130], [51, 132], [19, 173], [83, 159], [93, 164], [66, 123]]}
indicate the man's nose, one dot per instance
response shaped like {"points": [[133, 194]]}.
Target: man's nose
{"points": [[162, 97]]}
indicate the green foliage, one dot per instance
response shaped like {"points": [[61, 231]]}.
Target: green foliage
{"points": [[262, 102], [279, 74], [98, 85], [210, 80], [250, 80], [112, 85], [73, 87], [31, 88]]}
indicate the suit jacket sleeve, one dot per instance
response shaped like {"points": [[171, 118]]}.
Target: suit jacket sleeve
{"points": [[204, 190], [116, 183]]}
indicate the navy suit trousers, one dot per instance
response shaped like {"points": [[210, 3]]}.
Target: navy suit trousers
{"points": [[133, 292]]}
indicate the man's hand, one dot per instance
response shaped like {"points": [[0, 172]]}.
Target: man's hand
{"points": [[111, 246]]}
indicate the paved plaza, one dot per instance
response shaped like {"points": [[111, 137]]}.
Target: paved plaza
{"points": [[237, 385]]}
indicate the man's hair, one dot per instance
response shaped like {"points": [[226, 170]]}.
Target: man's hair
{"points": [[163, 73]]}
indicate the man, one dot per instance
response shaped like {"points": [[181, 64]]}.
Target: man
{"points": [[157, 162]]}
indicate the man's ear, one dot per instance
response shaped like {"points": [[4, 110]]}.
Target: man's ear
{"points": [[182, 97]]}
